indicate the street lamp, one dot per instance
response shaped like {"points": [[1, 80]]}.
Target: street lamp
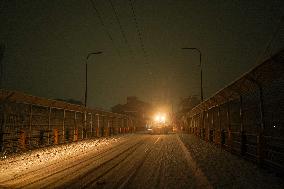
{"points": [[201, 85], [86, 74]]}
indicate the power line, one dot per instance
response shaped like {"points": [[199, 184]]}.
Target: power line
{"points": [[98, 14], [138, 30], [274, 35], [121, 28], [269, 45]]}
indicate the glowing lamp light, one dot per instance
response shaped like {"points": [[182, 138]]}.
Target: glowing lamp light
{"points": [[157, 118], [160, 118], [163, 119]]}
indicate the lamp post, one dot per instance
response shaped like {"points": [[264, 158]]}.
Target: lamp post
{"points": [[201, 84], [86, 74], [2, 51]]}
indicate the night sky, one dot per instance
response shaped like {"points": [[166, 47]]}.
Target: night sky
{"points": [[47, 42]]}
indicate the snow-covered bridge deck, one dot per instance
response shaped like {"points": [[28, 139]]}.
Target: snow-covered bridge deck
{"points": [[135, 161]]}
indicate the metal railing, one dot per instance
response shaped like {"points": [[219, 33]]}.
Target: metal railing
{"points": [[247, 116], [29, 122]]}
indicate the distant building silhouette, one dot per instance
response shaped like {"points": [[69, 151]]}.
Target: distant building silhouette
{"points": [[140, 110]]}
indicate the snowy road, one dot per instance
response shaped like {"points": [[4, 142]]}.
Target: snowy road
{"points": [[134, 161]]}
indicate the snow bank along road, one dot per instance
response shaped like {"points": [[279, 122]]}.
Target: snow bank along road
{"points": [[134, 161]]}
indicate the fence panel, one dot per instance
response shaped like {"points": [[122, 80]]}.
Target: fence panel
{"points": [[28, 122], [247, 116]]}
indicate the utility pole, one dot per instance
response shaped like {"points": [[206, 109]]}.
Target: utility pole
{"points": [[2, 50], [86, 74], [201, 76]]}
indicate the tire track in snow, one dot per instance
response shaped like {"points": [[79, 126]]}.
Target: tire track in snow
{"points": [[125, 181], [39, 176], [201, 179]]}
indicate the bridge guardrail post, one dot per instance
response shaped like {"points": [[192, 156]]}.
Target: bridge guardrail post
{"points": [[207, 123], [219, 125], [98, 126], [22, 140], [108, 128], [49, 126], [91, 125], [30, 125], [213, 127], [63, 127], [102, 125], [201, 125], [229, 126], [55, 136], [75, 131], [242, 130], [111, 128], [76, 135], [260, 137], [2, 126], [121, 126], [260, 130]]}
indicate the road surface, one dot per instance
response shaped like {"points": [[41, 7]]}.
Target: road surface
{"points": [[134, 161]]}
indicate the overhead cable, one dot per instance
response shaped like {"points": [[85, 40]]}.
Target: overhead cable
{"points": [[98, 14], [120, 27], [138, 30]]}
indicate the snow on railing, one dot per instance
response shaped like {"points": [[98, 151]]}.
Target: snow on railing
{"points": [[28, 122], [246, 117]]}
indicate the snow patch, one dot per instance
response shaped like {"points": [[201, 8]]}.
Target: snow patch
{"points": [[14, 164]]}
